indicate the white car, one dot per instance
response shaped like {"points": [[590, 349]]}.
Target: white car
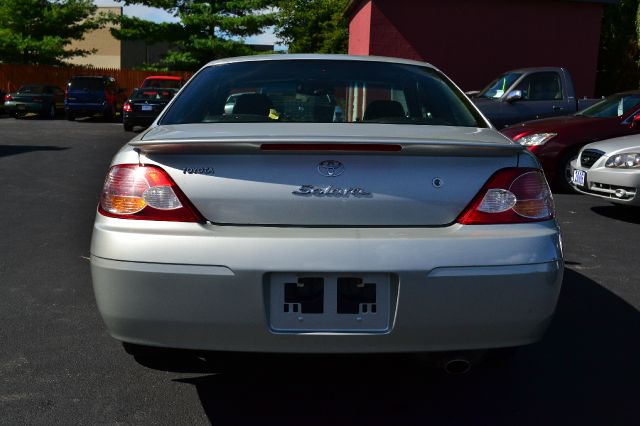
{"points": [[345, 204], [610, 169]]}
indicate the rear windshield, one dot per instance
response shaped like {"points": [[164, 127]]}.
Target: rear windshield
{"points": [[87, 83], [322, 91], [153, 94], [33, 89], [161, 82]]}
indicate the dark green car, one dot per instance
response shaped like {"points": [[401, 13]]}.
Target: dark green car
{"points": [[42, 99]]}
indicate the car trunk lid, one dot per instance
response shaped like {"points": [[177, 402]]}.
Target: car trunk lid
{"points": [[405, 176]]}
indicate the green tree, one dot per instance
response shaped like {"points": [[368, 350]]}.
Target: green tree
{"points": [[313, 26], [207, 30], [40, 31], [618, 66]]}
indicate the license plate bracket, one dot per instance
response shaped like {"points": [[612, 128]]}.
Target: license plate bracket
{"points": [[335, 302], [579, 177]]}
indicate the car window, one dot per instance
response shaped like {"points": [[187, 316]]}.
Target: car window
{"points": [[32, 89], [541, 86], [86, 83], [322, 91], [152, 93], [498, 86], [161, 82], [613, 106]]}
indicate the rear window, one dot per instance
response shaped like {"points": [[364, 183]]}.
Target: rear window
{"points": [[33, 89], [153, 94], [87, 83], [161, 82], [322, 91]]}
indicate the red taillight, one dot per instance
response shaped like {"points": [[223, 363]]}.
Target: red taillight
{"points": [[513, 195], [127, 107], [8, 97], [146, 193]]}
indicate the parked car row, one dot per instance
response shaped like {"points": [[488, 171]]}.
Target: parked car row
{"points": [[557, 141], [86, 96]]}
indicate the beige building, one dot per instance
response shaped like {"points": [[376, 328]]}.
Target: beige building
{"points": [[108, 48]]}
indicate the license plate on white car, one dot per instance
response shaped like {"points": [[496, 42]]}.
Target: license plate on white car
{"points": [[335, 302], [147, 107], [579, 177]]}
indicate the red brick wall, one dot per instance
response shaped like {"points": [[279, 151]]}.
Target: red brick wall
{"points": [[360, 30], [473, 41]]}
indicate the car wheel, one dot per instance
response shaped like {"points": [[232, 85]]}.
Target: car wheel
{"points": [[110, 114], [70, 116], [563, 176], [17, 115], [128, 127], [51, 113]]}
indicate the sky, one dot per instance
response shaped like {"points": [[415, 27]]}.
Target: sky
{"points": [[159, 15]]}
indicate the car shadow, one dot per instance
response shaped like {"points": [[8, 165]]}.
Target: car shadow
{"points": [[7, 150], [97, 119], [628, 214], [585, 371]]}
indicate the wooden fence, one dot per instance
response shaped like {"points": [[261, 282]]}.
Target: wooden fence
{"points": [[12, 76]]}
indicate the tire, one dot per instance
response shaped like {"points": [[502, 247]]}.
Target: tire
{"points": [[110, 114], [50, 114], [563, 174], [128, 127], [70, 116]]}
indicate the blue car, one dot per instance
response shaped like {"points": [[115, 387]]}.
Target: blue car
{"points": [[90, 95]]}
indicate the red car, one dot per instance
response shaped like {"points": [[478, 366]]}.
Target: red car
{"points": [[164, 81], [557, 141]]}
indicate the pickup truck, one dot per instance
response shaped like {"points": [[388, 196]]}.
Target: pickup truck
{"points": [[527, 94]]}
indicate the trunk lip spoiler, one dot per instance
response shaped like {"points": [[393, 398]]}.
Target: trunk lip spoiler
{"points": [[254, 145]]}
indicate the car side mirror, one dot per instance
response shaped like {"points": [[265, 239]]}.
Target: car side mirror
{"points": [[635, 122], [514, 95]]}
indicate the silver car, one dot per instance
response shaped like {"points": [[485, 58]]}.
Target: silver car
{"points": [[344, 204], [610, 169]]}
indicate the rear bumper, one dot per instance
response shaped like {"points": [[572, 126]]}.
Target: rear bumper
{"points": [[85, 108], [205, 287], [138, 120], [24, 107]]}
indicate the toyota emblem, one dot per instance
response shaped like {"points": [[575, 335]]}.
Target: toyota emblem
{"points": [[330, 168]]}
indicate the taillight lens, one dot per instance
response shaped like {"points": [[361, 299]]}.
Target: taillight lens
{"points": [[127, 107], [8, 97], [132, 191], [513, 195]]}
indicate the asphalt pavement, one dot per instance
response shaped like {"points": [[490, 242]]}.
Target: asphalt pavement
{"points": [[58, 365]]}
